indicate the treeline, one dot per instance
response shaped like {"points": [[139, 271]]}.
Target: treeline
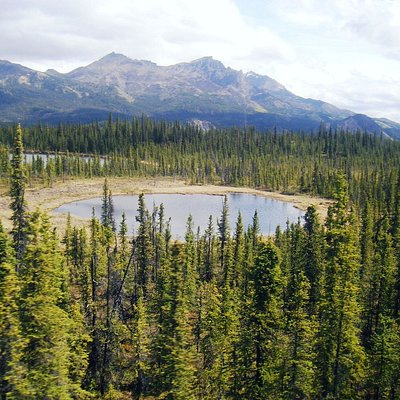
{"points": [[291, 162], [310, 313]]}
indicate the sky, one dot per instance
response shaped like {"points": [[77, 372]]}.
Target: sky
{"points": [[345, 52]]}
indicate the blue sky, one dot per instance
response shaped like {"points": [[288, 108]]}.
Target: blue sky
{"points": [[346, 52]]}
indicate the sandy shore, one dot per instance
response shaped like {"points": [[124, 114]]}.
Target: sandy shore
{"points": [[47, 199]]}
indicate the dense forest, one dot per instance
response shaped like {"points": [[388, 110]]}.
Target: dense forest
{"points": [[240, 157], [312, 312]]}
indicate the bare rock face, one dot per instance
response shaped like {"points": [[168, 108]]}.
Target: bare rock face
{"points": [[202, 90]]}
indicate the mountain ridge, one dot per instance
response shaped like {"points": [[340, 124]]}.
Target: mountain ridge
{"points": [[200, 90]]}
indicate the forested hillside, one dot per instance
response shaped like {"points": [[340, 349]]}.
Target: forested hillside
{"points": [[312, 312]]}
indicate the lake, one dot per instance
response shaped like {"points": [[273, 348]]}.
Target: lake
{"points": [[271, 212], [49, 156]]}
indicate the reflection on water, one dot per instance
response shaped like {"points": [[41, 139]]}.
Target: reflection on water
{"points": [[271, 212]]}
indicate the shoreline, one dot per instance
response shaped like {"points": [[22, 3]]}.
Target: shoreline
{"points": [[49, 198]]}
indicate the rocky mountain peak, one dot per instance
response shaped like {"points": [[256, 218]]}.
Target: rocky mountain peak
{"points": [[115, 56], [264, 82], [208, 63], [53, 72], [8, 68], [120, 59], [201, 90]]}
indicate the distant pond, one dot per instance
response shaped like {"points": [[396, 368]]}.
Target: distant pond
{"points": [[44, 157], [271, 213]]}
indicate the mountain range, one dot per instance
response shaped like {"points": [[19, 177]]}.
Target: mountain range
{"points": [[203, 91]]}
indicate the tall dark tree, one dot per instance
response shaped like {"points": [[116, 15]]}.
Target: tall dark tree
{"points": [[301, 325], [314, 255], [381, 325], [13, 382], [341, 356], [224, 237], [107, 207], [144, 253], [17, 193], [238, 252], [266, 324], [45, 322]]}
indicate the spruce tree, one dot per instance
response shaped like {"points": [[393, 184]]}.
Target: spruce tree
{"points": [[238, 253], [314, 255], [17, 193], [178, 352], [224, 237], [45, 323], [209, 271], [13, 380], [144, 250], [266, 329], [96, 314], [341, 356], [208, 334], [190, 272], [107, 208], [140, 348], [299, 373], [382, 326]]}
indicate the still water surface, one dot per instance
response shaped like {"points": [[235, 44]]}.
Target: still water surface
{"points": [[271, 213]]}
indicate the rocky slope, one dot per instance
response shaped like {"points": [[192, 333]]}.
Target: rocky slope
{"points": [[204, 91]]}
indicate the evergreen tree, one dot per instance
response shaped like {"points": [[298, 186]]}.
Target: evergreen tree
{"points": [[238, 253], [208, 335], [385, 361], [224, 237], [381, 325], [45, 324], [214, 317], [367, 270], [107, 207], [97, 271], [144, 256], [17, 193], [190, 274], [178, 354], [341, 357], [209, 252], [141, 350], [13, 382], [266, 327], [300, 371], [314, 250], [396, 245]]}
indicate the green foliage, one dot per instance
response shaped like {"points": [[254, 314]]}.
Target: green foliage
{"points": [[310, 313], [13, 382], [301, 325], [45, 323], [288, 162], [17, 194], [341, 356], [266, 323]]}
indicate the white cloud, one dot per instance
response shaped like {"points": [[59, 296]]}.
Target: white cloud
{"points": [[50, 32], [347, 53], [343, 51], [376, 22]]}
